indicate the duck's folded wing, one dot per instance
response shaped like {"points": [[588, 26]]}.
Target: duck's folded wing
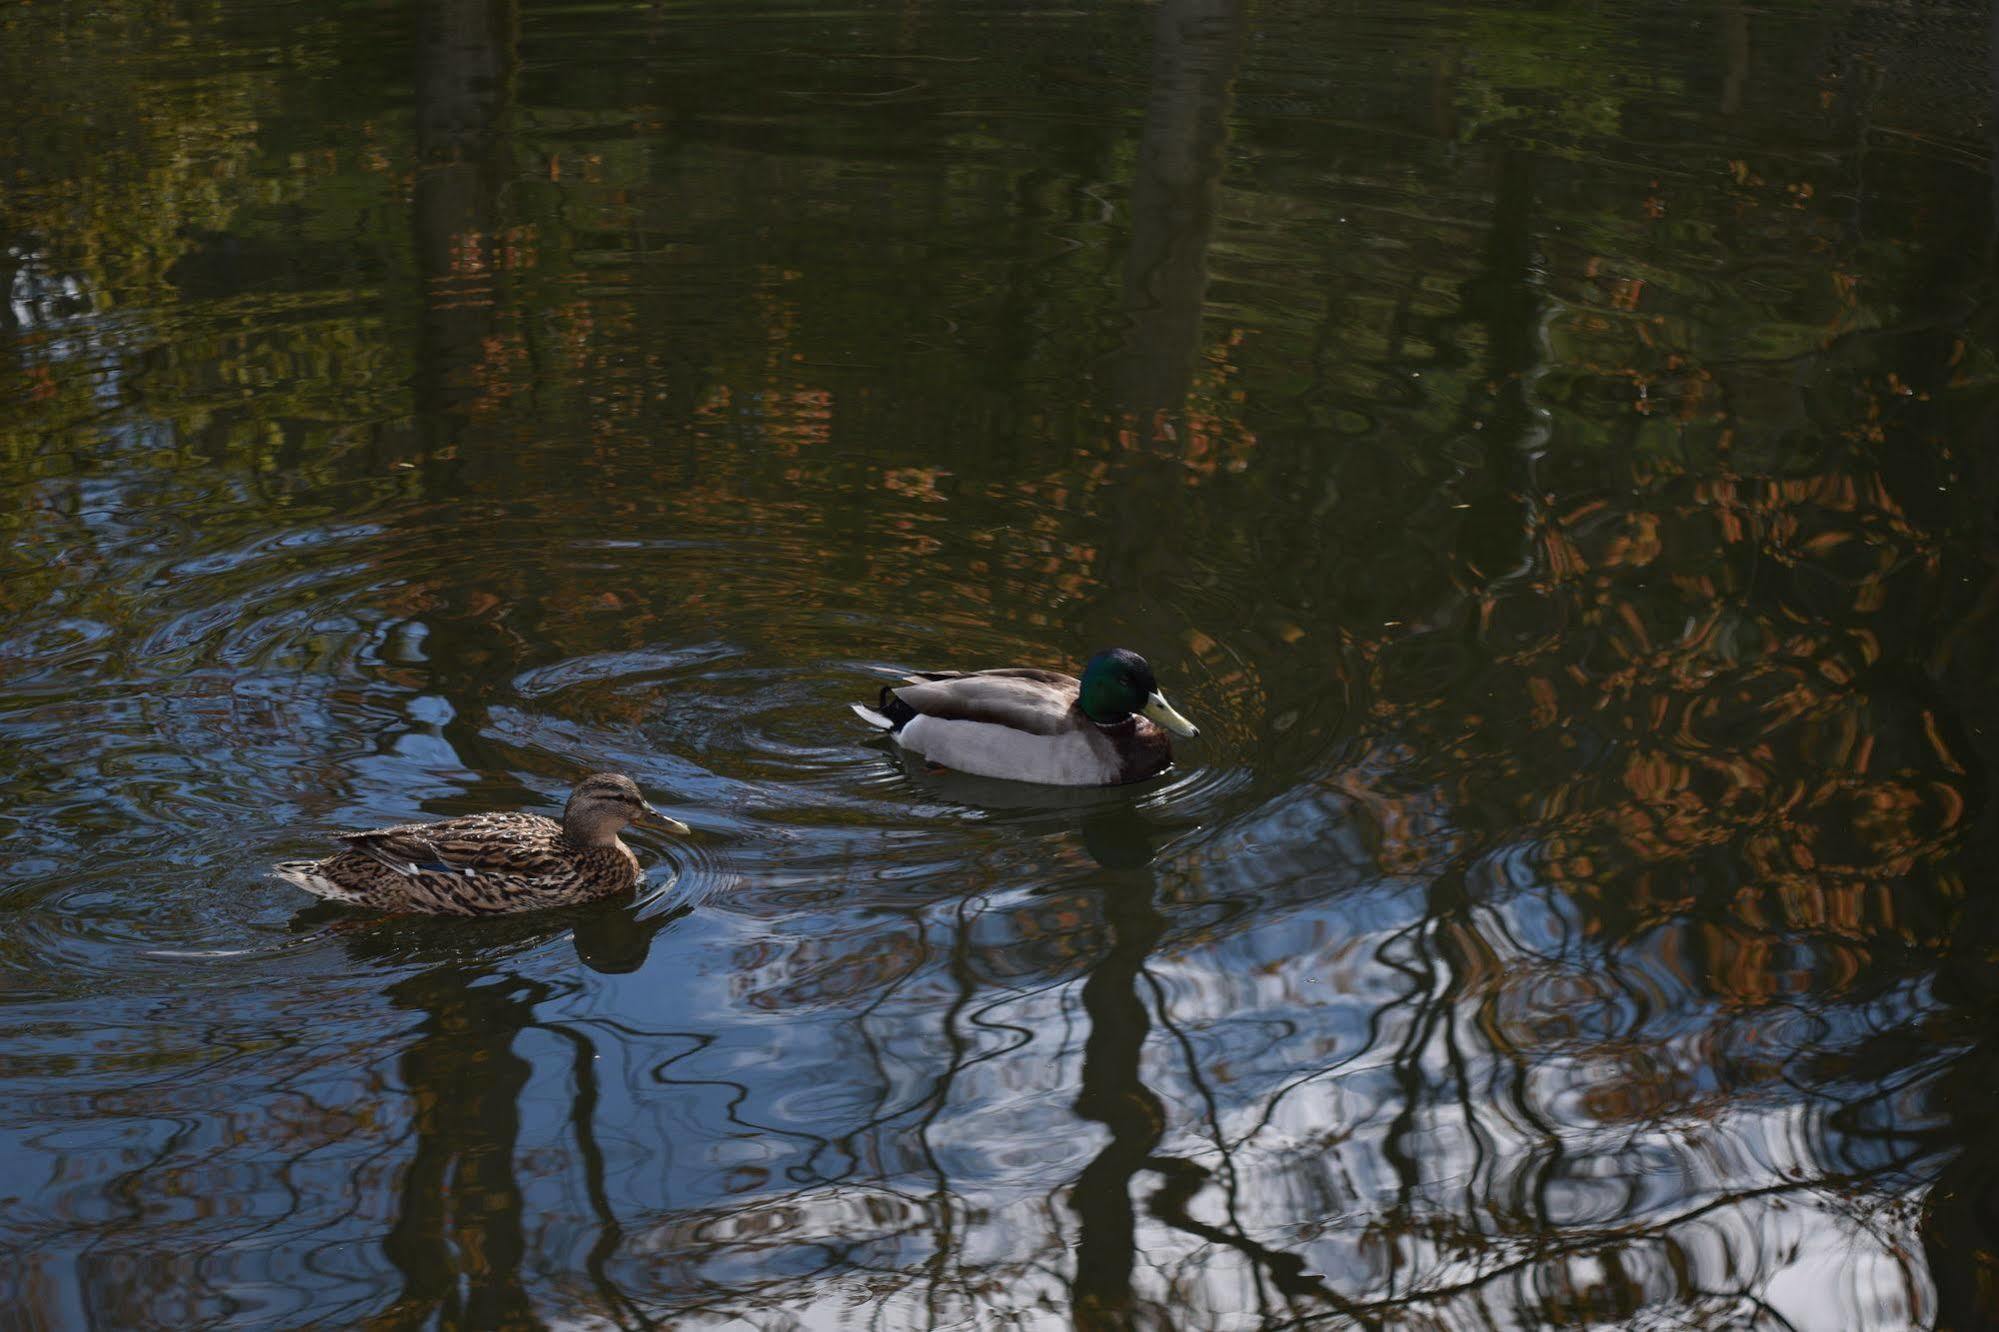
{"points": [[1038, 702], [468, 847], [1035, 673]]}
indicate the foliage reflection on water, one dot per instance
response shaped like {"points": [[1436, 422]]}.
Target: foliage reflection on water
{"points": [[1548, 450]]}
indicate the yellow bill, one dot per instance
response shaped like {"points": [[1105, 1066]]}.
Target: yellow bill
{"points": [[1157, 709]]}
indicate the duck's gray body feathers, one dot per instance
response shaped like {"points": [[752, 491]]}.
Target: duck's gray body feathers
{"points": [[1020, 723], [1022, 698], [481, 864]]}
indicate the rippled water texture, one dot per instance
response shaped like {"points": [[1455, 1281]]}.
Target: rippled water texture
{"points": [[1549, 450]]}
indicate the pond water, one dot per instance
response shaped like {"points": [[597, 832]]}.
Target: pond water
{"points": [[1548, 449]]}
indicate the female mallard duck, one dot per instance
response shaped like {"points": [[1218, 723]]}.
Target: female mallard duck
{"points": [[485, 864], [1036, 726]]}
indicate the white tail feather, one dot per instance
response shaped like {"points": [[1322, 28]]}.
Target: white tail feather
{"points": [[871, 717], [305, 874]]}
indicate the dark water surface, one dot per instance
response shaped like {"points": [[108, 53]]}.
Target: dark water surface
{"points": [[1549, 449]]}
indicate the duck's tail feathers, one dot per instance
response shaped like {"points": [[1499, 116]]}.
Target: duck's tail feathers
{"points": [[889, 712], [306, 874], [871, 717]]}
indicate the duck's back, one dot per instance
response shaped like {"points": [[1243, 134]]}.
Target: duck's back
{"points": [[1036, 702], [481, 864]]}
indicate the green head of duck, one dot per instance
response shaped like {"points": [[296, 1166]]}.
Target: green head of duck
{"points": [[1117, 683]]}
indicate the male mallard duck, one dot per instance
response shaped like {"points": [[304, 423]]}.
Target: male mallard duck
{"points": [[1036, 726], [485, 864]]}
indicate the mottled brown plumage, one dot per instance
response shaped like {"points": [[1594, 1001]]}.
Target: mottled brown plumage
{"points": [[487, 864]]}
